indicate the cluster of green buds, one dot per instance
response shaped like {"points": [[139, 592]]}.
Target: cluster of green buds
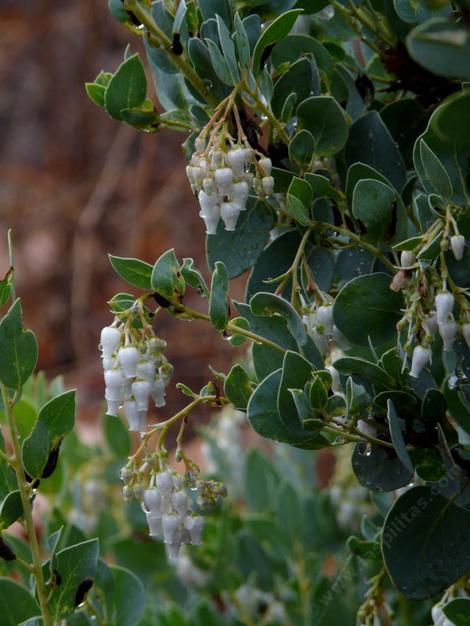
{"points": [[222, 172], [135, 370]]}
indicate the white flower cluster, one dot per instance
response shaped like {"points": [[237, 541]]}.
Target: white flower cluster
{"points": [[318, 321], [350, 499], [264, 607], [225, 434], [169, 513], [222, 180], [134, 371], [441, 321]]}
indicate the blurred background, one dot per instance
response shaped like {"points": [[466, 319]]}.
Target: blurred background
{"points": [[76, 185]]}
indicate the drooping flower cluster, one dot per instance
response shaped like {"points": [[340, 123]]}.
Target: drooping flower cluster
{"points": [[170, 499], [135, 369], [169, 512], [222, 178], [440, 321]]}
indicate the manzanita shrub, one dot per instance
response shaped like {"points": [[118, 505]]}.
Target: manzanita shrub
{"points": [[328, 149]]}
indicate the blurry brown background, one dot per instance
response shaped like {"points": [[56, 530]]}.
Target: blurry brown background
{"points": [[75, 185]]}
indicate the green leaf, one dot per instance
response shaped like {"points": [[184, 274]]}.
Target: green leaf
{"points": [[238, 387], [264, 417], [268, 304], [296, 371], [379, 468], [300, 78], [167, 279], [135, 272], [397, 436], [324, 119], [228, 49], [96, 93], [55, 420], [219, 63], [194, 278], [73, 566], [453, 152], [458, 611], [125, 600], [277, 30], [370, 142], [239, 249], [211, 8], [298, 201], [373, 204], [16, 603], [117, 436], [367, 307], [434, 170], [242, 41], [267, 359], [121, 302], [442, 47], [354, 366], [451, 121], [218, 299], [301, 148], [18, 349], [201, 60], [425, 543], [11, 509], [127, 88]]}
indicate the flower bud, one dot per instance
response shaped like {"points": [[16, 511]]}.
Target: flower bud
{"points": [[421, 357], [141, 393], [229, 212], [146, 371], [113, 380], [153, 501], [125, 474], [324, 317], [164, 482], [110, 340], [207, 201], [179, 499], [211, 219], [112, 408], [223, 178], [466, 333], [189, 173], [109, 363], [158, 392], [134, 419], [239, 192], [154, 523], [430, 324], [128, 358], [444, 305], [437, 614], [198, 176], [267, 183], [407, 258], [209, 186], [170, 525], [366, 429], [448, 331], [235, 159], [194, 525], [266, 165], [457, 243], [200, 144]]}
